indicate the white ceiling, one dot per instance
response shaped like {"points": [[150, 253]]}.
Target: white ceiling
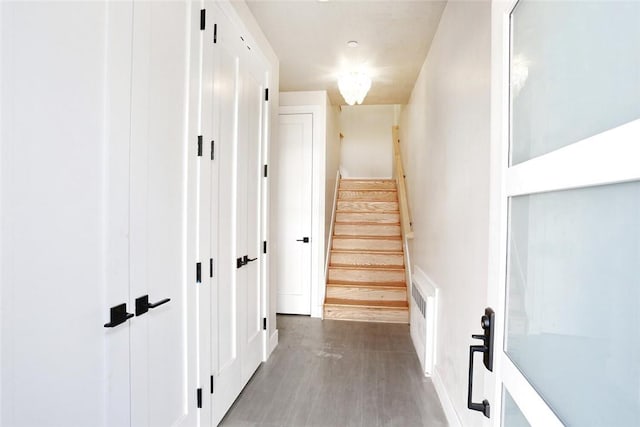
{"points": [[310, 38]]}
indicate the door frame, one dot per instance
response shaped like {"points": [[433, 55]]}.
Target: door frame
{"points": [[318, 153], [616, 149]]}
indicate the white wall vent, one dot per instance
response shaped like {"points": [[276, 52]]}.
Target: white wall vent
{"points": [[424, 313]]}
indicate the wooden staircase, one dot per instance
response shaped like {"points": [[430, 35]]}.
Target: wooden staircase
{"points": [[366, 279]]}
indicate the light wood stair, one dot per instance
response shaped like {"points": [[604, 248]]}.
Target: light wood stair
{"points": [[366, 278]]}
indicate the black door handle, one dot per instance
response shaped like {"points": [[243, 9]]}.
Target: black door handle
{"points": [[303, 240], [118, 315], [143, 305], [487, 350], [248, 260]]}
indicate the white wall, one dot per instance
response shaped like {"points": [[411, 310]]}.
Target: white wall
{"points": [[444, 133], [367, 150]]}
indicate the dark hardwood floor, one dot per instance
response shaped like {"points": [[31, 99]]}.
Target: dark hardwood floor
{"points": [[335, 373]]}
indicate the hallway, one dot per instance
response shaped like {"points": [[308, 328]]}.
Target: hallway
{"points": [[334, 373]]}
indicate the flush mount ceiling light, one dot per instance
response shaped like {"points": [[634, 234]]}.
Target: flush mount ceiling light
{"points": [[354, 87], [352, 43]]}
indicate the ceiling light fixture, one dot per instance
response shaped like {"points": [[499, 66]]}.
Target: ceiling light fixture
{"points": [[352, 43], [354, 87]]}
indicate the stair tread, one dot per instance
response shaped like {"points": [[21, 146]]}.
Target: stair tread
{"points": [[368, 237], [376, 285], [365, 252], [402, 305], [368, 179], [366, 212], [377, 190], [381, 224], [367, 267]]}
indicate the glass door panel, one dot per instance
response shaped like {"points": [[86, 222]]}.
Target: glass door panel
{"points": [[575, 72], [512, 416], [573, 292]]}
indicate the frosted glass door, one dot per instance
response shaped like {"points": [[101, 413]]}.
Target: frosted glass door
{"points": [[570, 215], [573, 323]]}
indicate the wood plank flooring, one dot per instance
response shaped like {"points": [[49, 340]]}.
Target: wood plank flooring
{"points": [[337, 374]]}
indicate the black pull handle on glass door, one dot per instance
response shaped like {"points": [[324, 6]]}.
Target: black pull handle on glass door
{"points": [[303, 240], [487, 350]]}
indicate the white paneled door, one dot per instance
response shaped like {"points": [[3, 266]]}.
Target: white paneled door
{"points": [[294, 214], [566, 214], [238, 112], [162, 288]]}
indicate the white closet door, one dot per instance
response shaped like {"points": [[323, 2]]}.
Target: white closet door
{"points": [[251, 127], [163, 352], [225, 355], [61, 225]]}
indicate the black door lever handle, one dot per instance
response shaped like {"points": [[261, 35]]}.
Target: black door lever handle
{"points": [[118, 315], [251, 259], [303, 240], [143, 305]]}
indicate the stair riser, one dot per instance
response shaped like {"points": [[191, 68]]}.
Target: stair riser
{"points": [[359, 206], [367, 244], [366, 314], [366, 230], [369, 294], [381, 196], [364, 275], [364, 259], [380, 218], [367, 185]]}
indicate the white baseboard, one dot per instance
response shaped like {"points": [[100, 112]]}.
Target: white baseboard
{"points": [[445, 400], [273, 341], [316, 312]]}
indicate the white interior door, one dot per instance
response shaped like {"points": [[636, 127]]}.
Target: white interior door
{"points": [[225, 355], [237, 300], [64, 167], [251, 124], [567, 214], [163, 289], [294, 213]]}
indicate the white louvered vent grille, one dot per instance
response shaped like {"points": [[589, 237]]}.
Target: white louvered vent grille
{"points": [[421, 304], [424, 308]]}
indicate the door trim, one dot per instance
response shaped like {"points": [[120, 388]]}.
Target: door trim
{"points": [[317, 200]]}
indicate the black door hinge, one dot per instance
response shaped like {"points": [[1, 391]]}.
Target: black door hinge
{"points": [[266, 167], [215, 33], [203, 16], [211, 384], [210, 267], [198, 272], [199, 145], [264, 247], [264, 323], [266, 94], [199, 397], [213, 150]]}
